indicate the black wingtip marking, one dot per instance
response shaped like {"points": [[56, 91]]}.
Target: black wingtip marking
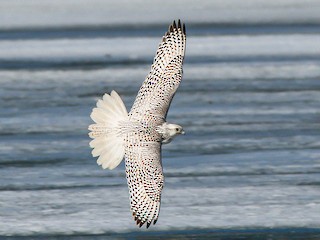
{"points": [[155, 221], [170, 28], [140, 225], [148, 224], [174, 27]]}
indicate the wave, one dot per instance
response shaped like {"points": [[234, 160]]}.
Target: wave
{"points": [[254, 233], [154, 29], [56, 187], [114, 62], [66, 64]]}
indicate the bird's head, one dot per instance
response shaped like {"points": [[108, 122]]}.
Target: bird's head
{"points": [[168, 131], [174, 129]]}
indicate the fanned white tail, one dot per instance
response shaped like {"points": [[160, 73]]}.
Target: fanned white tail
{"points": [[108, 143]]}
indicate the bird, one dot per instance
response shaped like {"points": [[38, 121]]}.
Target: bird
{"points": [[137, 136]]}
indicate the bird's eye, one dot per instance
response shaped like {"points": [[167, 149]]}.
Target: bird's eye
{"points": [[177, 129]]}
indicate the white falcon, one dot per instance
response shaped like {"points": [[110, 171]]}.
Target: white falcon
{"points": [[138, 135]]}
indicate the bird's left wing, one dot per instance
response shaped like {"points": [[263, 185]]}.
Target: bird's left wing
{"points": [[160, 85], [144, 176]]}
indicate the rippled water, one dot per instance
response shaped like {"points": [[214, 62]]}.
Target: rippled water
{"points": [[249, 102]]}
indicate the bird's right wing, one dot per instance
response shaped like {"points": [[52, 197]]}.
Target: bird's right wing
{"points": [[144, 176], [160, 85]]}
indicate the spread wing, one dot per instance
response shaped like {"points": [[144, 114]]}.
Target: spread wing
{"points": [[143, 144], [160, 85], [145, 179]]}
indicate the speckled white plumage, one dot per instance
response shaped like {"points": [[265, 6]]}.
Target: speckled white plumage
{"points": [[138, 136]]}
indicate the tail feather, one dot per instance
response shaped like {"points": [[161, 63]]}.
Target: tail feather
{"points": [[107, 141], [97, 130], [120, 103], [99, 115]]}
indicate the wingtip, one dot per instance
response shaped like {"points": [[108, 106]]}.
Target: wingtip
{"points": [[148, 224], [179, 23], [170, 28], [141, 224], [138, 221], [176, 26]]}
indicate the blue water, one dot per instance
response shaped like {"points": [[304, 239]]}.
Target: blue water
{"points": [[249, 102]]}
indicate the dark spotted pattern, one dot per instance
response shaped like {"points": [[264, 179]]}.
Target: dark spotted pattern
{"points": [[143, 144]]}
